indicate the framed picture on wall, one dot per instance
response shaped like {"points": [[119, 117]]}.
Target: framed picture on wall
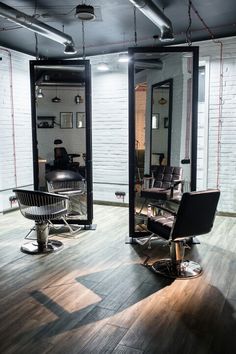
{"points": [[66, 120], [80, 120], [166, 122]]}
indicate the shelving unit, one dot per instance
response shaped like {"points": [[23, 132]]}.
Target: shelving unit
{"points": [[45, 122]]}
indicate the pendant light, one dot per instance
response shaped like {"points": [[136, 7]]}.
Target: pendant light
{"points": [[56, 99]]}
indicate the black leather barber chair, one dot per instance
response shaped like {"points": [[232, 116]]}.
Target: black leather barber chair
{"points": [[164, 184], [41, 207], [195, 216], [63, 160]]}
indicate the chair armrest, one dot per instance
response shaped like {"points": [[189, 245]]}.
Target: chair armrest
{"points": [[172, 212]]}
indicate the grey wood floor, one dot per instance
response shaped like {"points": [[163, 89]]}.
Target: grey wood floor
{"points": [[94, 296]]}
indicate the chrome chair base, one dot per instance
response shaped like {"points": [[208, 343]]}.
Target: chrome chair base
{"points": [[37, 248], [177, 269]]}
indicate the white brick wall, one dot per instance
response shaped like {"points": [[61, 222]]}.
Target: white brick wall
{"points": [[15, 119], [110, 129]]}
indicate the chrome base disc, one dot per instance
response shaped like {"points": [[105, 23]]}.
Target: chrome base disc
{"points": [[37, 248], [177, 269]]}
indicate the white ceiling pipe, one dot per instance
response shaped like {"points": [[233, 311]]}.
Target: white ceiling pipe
{"points": [[35, 25], [150, 10]]}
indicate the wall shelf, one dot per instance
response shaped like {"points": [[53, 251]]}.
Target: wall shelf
{"points": [[46, 122]]}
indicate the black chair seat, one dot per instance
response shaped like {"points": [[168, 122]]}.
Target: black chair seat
{"points": [[161, 225], [158, 193]]}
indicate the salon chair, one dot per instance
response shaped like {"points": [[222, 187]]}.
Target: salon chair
{"points": [[71, 184], [164, 184], [42, 208], [63, 160], [195, 216]]}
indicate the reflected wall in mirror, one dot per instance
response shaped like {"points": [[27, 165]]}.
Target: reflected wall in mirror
{"points": [[161, 117], [162, 121], [62, 152]]}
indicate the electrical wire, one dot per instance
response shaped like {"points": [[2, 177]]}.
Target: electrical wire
{"points": [[83, 40], [135, 27], [220, 97], [188, 30]]}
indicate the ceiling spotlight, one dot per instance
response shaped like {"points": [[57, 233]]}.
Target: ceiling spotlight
{"points": [[103, 67], [85, 12], [166, 35], [70, 49], [40, 93], [123, 58], [56, 99]]}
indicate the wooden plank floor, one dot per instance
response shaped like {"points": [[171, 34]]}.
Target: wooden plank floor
{"points": [[94, 296]]}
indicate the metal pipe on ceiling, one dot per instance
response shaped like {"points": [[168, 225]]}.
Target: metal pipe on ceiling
{"points": [[36, 26], [150, 10]]}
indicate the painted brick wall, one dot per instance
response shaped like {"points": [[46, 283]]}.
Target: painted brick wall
{"points": [[110, 129], [227, 158], [15, 118]]}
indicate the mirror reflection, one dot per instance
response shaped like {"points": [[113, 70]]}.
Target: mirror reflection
{"points": [[163, 126], [60, 105]]}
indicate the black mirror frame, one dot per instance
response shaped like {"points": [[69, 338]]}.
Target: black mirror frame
{"points": [[88, 110], [131, 52]]}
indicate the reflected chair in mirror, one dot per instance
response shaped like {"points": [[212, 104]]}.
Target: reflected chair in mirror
{"points": [[164, 184], [195, 216], [42, 208], [63, 160], [73, 185]]}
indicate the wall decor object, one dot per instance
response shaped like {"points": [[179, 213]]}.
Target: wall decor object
{"points": [[80, 119], [66, 120], [166, 122]]}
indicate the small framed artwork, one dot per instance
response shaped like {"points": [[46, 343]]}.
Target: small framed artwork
{"points": [[66, 120], [155, 120], [80, 120], [166, 122]]}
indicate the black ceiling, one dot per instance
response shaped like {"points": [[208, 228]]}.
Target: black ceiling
{"points": [[113, 29]]}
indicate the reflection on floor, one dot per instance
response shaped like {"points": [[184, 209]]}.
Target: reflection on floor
{"points": [[95, 296]]}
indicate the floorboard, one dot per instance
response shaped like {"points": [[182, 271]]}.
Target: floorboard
{"points": [[95, 296]]}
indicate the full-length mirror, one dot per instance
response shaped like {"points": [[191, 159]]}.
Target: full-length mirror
{"points": [[162, 125], [61, 119]]}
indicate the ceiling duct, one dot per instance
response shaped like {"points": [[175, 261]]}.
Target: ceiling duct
{"points": [[150, 10], [85, 12], [36, 26]]}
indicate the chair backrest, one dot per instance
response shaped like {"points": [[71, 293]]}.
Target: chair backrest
{"points": [[196, 213], [36, 205], [61, 158], [165, 175], [64, 180]]}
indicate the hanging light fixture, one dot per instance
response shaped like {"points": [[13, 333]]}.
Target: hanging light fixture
{"points": [[40, 93], [70, 49], [56, 99]]}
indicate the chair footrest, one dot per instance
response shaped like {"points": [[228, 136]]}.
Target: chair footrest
{"points": [[177, 269], [35, 247]]}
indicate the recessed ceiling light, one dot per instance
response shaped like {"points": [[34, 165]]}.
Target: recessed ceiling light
{"points": [[123, 58], [103, 67]]}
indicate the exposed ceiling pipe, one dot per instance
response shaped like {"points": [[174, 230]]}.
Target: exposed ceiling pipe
{"points": [[150, 10], [38, 27]]}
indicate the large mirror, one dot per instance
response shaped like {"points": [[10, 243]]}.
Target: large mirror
{"points": [[162, 122], [61, 120]]}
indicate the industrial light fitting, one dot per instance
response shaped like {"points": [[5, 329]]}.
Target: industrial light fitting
{"points": [[70, 49], [40, 93], [85, 12]]}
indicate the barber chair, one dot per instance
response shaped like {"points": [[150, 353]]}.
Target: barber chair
{"points": [[195, 216], [63, 160], [41, 207], [71, 184], [164, 184]]}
